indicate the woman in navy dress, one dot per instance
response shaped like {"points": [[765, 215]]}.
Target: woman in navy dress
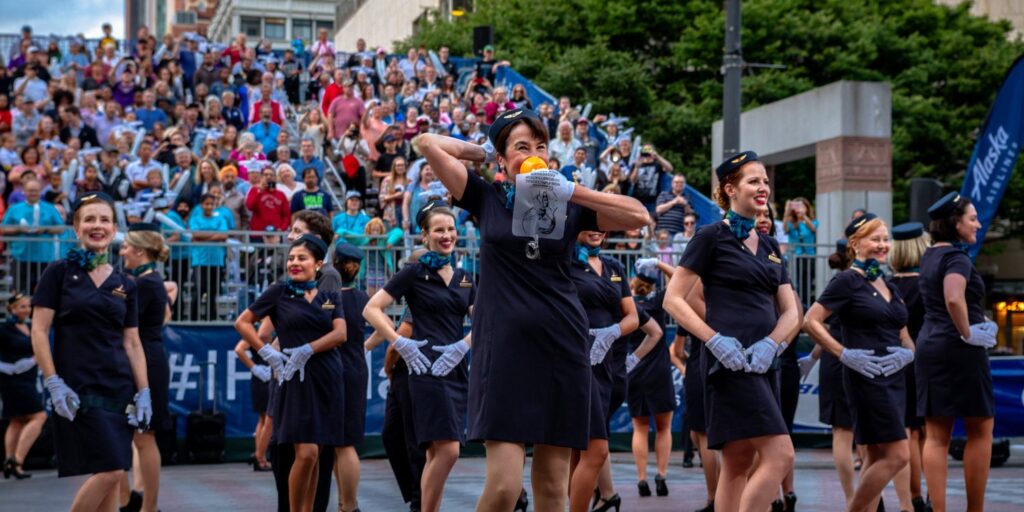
{"points": [[259, 393], [909, 243], [651, 391], [439, 297], [347, 262], [875, 349], [97, 362], [750, 312], [531, 371], [308, 412], [143, 247], [22, 405], [611, 313], [953, 375]]}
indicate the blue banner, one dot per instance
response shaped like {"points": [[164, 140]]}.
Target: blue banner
{"points": [[189, 349], [996, 152]]}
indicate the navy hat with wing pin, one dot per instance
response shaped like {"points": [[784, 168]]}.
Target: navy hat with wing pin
{"points": [[945, 206], [857, 222], [907, 231], [734, 163]]}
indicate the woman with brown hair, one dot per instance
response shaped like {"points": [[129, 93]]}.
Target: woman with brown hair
{"points": [[750, 305], [392, 192], [22, 404], [143, 247]]}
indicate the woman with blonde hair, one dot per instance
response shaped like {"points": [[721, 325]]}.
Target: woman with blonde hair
{"points": [[392, 192], [313, 126], [143, 247], [205, 176]]}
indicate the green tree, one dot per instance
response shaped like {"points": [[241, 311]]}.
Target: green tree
{"points": [[659, 62]]}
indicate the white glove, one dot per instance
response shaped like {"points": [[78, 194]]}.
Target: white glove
{"points": [[261, 372], [603, 339], [631, 361], [24, 364], [451, 356], [861, 361], [729, 351], [65, 401], [647, 266], [564, 189], [409, 349], [297, 358], [983, 335], [7, 368], [490, 153], [275, 359], [897, 358]]}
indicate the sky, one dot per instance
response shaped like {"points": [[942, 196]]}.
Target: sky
{"points": [[62, 17]]}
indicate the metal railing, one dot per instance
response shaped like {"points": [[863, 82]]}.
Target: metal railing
{"points": [[218, 280]]}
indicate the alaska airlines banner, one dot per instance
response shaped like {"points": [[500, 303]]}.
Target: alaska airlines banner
{"points": [[996, 152]]}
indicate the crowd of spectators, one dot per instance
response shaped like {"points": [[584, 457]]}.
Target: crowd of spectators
{"points": [[209, 139]]}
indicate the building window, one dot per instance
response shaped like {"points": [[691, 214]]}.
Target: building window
{"points": [[302, 29], [329, 25], [185, 18], [273, 28], [251, 27]]}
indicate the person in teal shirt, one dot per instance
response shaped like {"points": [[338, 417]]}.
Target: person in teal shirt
{"points": [[207, 225], [37, 220], [350, 225], [801, 227]]}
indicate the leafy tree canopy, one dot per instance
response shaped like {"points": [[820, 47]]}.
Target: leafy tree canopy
{"points": [[659, 62]]}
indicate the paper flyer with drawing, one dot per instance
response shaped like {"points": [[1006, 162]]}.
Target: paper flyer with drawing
{"points": [[537, 212]]}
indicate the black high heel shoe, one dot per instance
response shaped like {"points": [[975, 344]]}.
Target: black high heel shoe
{"points": [[778, 506], [790, 500], [13, 468], [134, 502], [522, 502], [660, 487], [643, 488], [710, 507], [609, 504]]}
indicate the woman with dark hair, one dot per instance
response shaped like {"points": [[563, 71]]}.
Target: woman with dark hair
{"points": [[909, 243], [611, 313], [876, 347], [439, 297], [97, 349], [309, 324], [143, 247], [953, 375], [22, 404], [531, 373], [751, 313]]}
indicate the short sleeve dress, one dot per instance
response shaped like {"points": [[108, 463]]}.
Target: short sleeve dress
{"points": [[531, 369], [18, 393], [910, 290], [353, 361], [310, 410], [869, 322], [601, 296], [438, 403], [953, 378], [739, 291], [651, 391], [833, 406], [89, 354], [152, 311]]}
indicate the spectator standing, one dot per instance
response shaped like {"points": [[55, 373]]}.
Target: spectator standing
{"points": [[672, 206], [801, 227], [344, 111], [139, 169], [207, 258], [286, 177], [24, 121], [235, 193], [34, 219], [75, 128], [265, 131], [681, 239], [269, 206], [149, 113], [645, 178], [31, 86], [564, 144], [498, 104], [312, 197], [308, 159], [350, 225]]}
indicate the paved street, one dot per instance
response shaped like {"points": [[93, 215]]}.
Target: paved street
{"points": [[236, 487]]}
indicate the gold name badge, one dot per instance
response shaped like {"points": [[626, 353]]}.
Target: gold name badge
{"points": [[774, 259], [465, 283], [119, 292], [616, 278], [327, 305]]}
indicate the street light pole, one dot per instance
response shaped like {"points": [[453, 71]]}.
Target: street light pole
{"points": [[732, 66]]}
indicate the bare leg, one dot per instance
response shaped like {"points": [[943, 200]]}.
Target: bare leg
{"points": [[347, 472], [584, 478], [504, 480], [884, 461], [776, 459], [842, 440], [916, 444], [147, 469], [604, 479], [977, 459], [441, 457], [662, 441], [737, 457], [641, 426], [550, 479], [99, 492], [263, 432], [709, 463], [302, 478], [11, 437], [29, 433], [935, 459]]}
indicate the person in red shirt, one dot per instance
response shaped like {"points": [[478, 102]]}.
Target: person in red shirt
{"points": [[334, 90], [344, 111], [276, 111], [498, 104], [236, 50], [269, 206], [5, 114]]}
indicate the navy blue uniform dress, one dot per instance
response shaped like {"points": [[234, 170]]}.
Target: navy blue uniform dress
{"points": [[259, 390], [739, 290], [789, 384], [651, 390], [18, 393], [531, 365], [693, 386], [833, 407], [152, 297], [601, 296], [310, 410], [911, 293], [953, 378], [353, 361], [869, 322], [88, 352], [438, 403]]}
